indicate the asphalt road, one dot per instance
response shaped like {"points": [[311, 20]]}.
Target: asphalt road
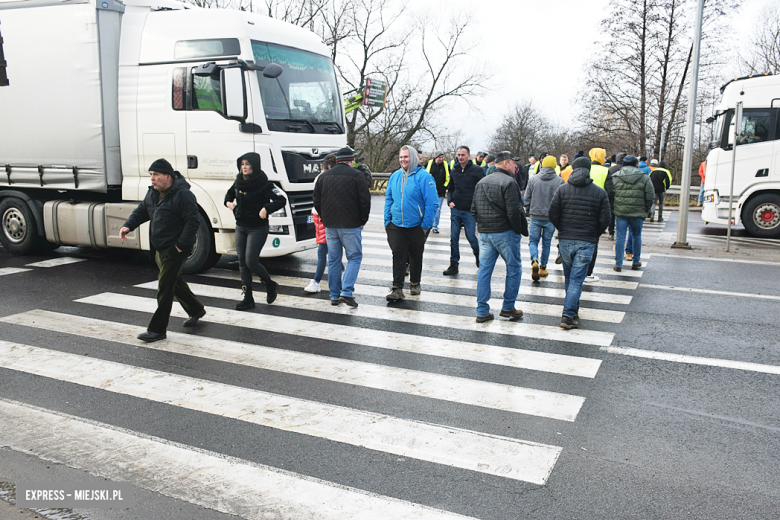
{"points": [[663, 406]]}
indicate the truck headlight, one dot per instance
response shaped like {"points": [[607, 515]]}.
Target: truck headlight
{"points": [[278, 230], [711, 196]]}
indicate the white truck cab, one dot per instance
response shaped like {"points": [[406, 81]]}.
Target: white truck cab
{"points": [[100, 89], [756, 196]]}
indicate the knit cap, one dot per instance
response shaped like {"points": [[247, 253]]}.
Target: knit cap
{"points": [[162, 166], [549, 162]]}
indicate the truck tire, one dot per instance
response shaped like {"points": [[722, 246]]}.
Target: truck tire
{"points": [[204, 254], [18, 232], [761, 216]]}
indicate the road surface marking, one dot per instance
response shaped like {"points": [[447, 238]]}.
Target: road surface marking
{"points": [[500, 456], [694, 360], [733, 260], [211, 480], [54, 262], [709, 291], [461, 300], [512, 328], [12, 270]]}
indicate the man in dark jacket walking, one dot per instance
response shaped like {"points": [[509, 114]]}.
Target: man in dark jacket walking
{"points": [[172, 211], [580, 212], [463, 178], [661, 179], [633, 199], [343, 202], [440, 171], [497, 210]]}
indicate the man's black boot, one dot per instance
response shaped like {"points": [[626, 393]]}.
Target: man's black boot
{"points": [[248, 302], [452, 269]]}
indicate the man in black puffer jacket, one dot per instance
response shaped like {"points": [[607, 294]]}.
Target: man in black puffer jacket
{"points": [[343, 202], [499, 215], [172, 211], [464, 176], [580, 212]]}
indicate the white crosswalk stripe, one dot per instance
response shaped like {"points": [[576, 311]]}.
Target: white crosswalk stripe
{"points": [[269, 338], [12, 270]]}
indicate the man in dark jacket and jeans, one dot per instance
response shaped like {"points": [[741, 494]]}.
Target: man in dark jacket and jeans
{"points": [[172, 211], [497, 210], [580, 212], [463, 178], [343, 202]]}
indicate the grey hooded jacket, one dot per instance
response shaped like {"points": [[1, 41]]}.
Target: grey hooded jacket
{"points": [[539, 193]]}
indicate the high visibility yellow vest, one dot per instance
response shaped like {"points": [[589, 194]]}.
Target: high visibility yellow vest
{"points": [[599, 175], [446, 171]]}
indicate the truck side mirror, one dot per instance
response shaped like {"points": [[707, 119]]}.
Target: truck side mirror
{"points": [[234, 93], [272, 70]]}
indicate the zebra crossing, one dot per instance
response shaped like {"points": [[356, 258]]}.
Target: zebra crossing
{"points": [[493, 368]]}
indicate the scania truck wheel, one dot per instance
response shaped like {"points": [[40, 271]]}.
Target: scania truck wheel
{"points": [[761, 216]]}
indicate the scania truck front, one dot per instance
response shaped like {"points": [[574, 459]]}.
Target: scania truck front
{"points": [[98, 91], [756, 197]]}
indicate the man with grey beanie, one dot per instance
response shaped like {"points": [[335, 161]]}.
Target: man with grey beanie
{"points": [[440, 171]]}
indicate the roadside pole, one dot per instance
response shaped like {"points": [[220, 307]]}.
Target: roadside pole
{"points": [[685, 191], [737, 131]]}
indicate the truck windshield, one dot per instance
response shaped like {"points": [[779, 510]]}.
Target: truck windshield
{"points": [[306, 91]]}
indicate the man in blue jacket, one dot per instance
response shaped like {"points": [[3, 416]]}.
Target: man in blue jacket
{"points": [[410, 207], [464, 176]]}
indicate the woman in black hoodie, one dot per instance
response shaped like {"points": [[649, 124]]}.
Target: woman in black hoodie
{"points": [[252, 198]]}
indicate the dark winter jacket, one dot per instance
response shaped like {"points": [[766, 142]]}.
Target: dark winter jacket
{"points": [[496, 204], [539, 193], [173, 220], [253, 194], [662, 179], [618, 164], [462, 183], [633, 193], [580, 209], [341, 197]]}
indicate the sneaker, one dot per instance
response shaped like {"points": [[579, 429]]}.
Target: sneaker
{"points": [[652, 219], [592, 278], [436, 230], [313, 287], [543, 272], [452, 269], [483, 319], [568, 323], [636, 266], [618, 269], [535, 271], [395, 295], [612, 237], [415, 289], [349, 300], [629, 256], [559, 259], [660, 220], [335, 302], [193, 320], [576, 320], [514, 313]]}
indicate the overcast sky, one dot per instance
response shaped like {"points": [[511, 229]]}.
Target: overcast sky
{"points": [[536, 49]]}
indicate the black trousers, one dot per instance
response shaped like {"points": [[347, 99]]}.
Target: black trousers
{"points": [[170, 285], [249, 243], [406, 244]]}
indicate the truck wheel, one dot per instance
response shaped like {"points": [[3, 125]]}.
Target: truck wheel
{"points": [[761, 216], [18, 232], [203, 255]]}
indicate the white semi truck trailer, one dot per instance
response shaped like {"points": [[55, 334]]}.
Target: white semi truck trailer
{"points": [[755, 201], [97, 90]]}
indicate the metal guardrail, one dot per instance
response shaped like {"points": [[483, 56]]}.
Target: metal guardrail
{"points": [[676, 189]]}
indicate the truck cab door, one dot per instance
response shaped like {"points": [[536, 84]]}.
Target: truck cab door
{"points": [[754, 147], [214, 139]]}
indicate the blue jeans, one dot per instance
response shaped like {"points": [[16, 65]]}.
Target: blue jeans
{"points": [[701, 193], [635, 234], [322, 261], [438, 213], [462, 219], [576, 255], [350, 241], [491, 245], [537, 229]]}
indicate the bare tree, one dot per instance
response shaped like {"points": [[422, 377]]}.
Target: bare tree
{"points": [[525, 131], [763, 54]]}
